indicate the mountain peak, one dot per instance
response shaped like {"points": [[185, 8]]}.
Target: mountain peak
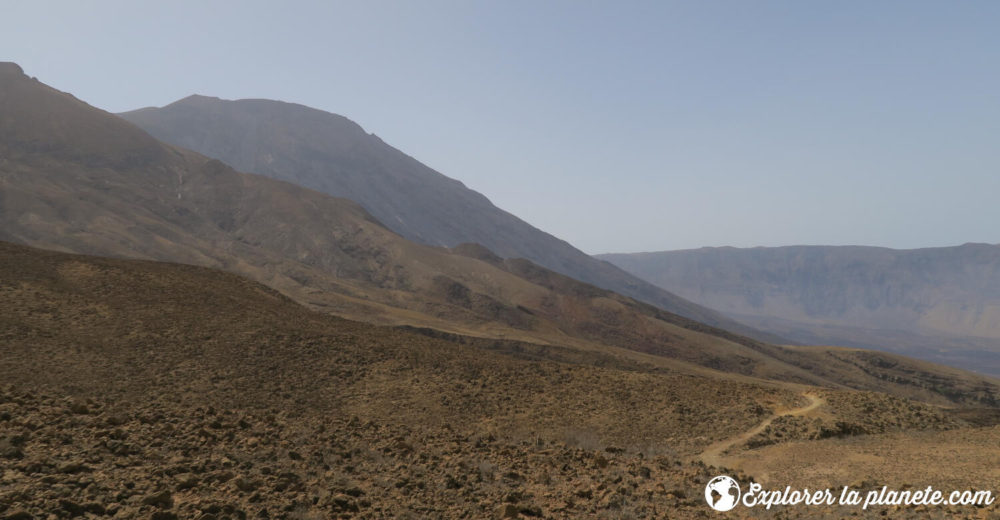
{"points": [[9, 68], [198, 97], [331, 154], [196, 100]]}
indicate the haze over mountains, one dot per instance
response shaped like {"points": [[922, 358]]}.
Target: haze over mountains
{"points": [[78, 179], [940, 303], [206, 369], [332, 154]]}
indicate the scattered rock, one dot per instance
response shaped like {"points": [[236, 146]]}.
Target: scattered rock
{"points": [[162, 499], [9, 451], [71, 508], [246, 485], [73, 467], [186, 481], [79, 407]]}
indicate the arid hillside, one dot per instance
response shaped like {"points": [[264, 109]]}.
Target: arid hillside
{"points": [[144, 389], [77, 179], [334, 155], [228, 384]]}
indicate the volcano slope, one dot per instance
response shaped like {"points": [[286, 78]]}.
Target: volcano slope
{"points": [[77, 179], [145, 389], [332, 154]]}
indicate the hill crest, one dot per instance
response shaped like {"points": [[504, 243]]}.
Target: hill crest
{"points": [[334, 155]]}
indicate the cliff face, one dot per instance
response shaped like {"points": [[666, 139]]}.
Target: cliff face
{"points": [[933, 299]]}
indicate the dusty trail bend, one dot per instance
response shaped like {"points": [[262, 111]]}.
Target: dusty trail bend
{"points": [[712, 455]]}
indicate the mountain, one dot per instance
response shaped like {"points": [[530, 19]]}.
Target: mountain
{"points": [[77, 179], [941, 304], [223, 385], [332, 154]]}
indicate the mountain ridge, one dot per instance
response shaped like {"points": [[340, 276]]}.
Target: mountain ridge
{"points": [[332, 154], [331, 255], [328, 253], [934, 301]]}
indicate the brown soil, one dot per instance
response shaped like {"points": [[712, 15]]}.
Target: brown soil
{"points": [[141, 389]]}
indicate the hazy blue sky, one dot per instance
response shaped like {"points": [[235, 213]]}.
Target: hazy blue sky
{"points": [[619, 126]]}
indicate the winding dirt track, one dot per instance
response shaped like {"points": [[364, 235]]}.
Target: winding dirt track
{"points": [[712, 456]]}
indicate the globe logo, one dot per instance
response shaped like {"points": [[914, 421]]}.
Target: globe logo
{"points": [[722, 493]]}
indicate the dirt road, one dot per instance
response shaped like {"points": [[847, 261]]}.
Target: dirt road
{"points": [[712, 455]]}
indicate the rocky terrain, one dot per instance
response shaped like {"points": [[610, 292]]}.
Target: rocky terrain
{"points": [[467, 385], [143, 389], [856, 413], [92, 458], [70, 457], [947, 460]]}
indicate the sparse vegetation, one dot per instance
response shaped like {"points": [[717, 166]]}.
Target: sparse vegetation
{"points": [[468, 385]]}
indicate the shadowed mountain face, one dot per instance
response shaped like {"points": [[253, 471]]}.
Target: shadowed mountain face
{"points": [[938, 303], [333, 155]]}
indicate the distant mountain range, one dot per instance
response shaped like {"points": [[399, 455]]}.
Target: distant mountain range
{"points": [[333, 155], [940, 303]]}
